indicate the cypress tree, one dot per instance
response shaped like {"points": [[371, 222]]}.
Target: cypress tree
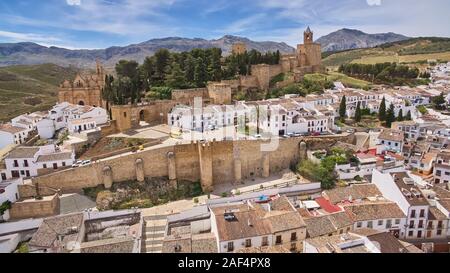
{"points": [[382, 110], [408, 116], [358, 113], [400, 115], [343, 108], [390, 116]]}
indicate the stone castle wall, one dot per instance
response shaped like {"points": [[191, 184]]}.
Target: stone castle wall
{"points": [[211, 163]]}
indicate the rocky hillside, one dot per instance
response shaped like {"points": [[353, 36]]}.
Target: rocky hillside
{"points": [[345, 39], [31, 54]]}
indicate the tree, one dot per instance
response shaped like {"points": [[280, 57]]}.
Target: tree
{"points": [[358, 114], [343, 108], [400, 115], [390, 116], [200, 75], [162, 59], [408, 116], [438, 101], [189, 66], [176, 79], [126, 68], [382, 110]]}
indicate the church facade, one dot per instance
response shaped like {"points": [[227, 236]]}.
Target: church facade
{"points": [[85, 89]]}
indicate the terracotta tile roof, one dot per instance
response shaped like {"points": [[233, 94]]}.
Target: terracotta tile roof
{"points": [[327, 224], [23, 152], [55, 157], [436, 214], [356, 192], [374, 211], [11, 129], [392, 135], [51, 228], [245, 225], [285, 221], [264, 249]]}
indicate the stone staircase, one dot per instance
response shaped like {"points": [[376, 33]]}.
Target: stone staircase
{"points": [[154, 230]]}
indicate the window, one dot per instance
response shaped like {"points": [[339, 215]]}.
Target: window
{"points": [[439, 232], [389, 223], [411, 224], [359, 225], [230, 247], [16, 164], [370, 224], [25, 163], [248, 242], [413, 214], [293, 247], [440, 224], [410, 233], [44, 166], [124, 114], [422, 213], [3, 176], [380, 222], [27, 173], [438, 173], [55, 166], [419, 234], [278, 240], [265, 241], [22, 172], [64, 164], [397, 221], [421, 224], [294, 236]]}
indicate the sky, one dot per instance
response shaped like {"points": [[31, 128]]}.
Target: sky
{"points": [[103, 23]]}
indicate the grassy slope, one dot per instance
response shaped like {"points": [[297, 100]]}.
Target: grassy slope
{"points": [[36, 81], [410, 51], [334, 76]]}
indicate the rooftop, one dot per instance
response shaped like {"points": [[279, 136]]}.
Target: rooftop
{"points": [[353, 192], [409, 190], [23, 152], [9, 128], [392, 135], [374, 211]]}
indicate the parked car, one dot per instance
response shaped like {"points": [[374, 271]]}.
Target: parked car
{"points": [[258, 136], [85, 163]]}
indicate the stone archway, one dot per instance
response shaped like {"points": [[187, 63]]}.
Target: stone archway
{"points": [[81, 102]]}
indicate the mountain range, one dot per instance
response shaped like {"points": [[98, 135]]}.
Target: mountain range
{"points": [[345, 39], [32, 54]]}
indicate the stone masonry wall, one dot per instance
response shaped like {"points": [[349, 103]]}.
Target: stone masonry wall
{"points": [[223, 155]]}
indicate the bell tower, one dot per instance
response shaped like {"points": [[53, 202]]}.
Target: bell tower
{"points": [[308, 36]]}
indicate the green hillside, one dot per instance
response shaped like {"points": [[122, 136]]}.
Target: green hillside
{"points": [[409, 51], [30, 88]]}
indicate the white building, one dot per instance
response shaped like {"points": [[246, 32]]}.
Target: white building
{"points": [[26, 161], [73, 117], [404, 190], [10, 135], [277, 116], [382, 216], [392, 140]]}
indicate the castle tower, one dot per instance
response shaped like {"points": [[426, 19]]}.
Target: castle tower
{"points": [[308, 36], [239, 48]]}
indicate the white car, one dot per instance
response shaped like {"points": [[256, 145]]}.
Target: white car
{"points": [[85, 162]]}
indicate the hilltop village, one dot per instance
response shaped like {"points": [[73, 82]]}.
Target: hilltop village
{"points": [[201, 170]]}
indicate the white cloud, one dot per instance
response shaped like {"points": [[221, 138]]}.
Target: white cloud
{"points": [[374, 2], [27, 37], [73, 2]]}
